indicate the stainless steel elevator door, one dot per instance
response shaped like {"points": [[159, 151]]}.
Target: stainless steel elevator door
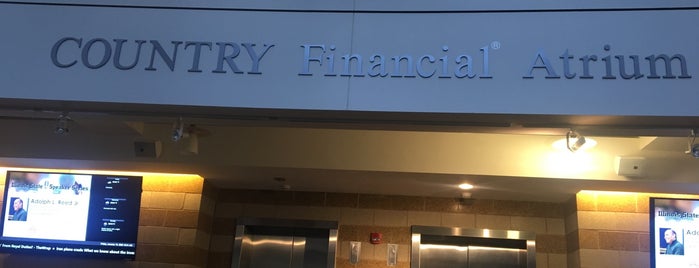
{"points": [[278, 247], [490, 257], [269, 251], [450, 256], [442, 247], [443, 256]]}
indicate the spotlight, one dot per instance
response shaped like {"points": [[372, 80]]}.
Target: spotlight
{"points": [[177, 130], [692, 148], [62, 125], [574, 141], [191, 135], [192, 146], [695, 150]]}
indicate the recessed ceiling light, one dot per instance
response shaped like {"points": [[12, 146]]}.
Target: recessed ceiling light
{"points": [[465, 186]]}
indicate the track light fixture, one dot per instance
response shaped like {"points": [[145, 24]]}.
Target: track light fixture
{"points": [[193, 133], [574, 141], [192, 147], [62, 124], [190, 134], [692, 148], [177, 130]]}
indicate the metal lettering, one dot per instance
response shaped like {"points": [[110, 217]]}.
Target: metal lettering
{"points": [[464, 61], [197, 54], [107, 54], [169, 61], [420, 71], [255, 69], [348, 60], [117, 54], [97, 52], [57, 46], [545, 64], [653, 60], [227, 58], [486, 63]]}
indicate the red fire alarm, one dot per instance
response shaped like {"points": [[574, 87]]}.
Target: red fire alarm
{"points": [[376, 238]]}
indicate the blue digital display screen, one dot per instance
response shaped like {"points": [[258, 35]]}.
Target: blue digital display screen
{"points": [[85, 215], [674, 232]]}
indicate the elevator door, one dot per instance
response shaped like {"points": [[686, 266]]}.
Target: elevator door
{"points": [[450, 256], [446, 247], [284, 247]]}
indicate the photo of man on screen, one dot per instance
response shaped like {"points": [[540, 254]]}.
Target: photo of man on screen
{"points": [[674, 247], [19, 214]]}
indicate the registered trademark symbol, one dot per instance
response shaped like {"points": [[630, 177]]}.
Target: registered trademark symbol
{"points": [[495, 45]]}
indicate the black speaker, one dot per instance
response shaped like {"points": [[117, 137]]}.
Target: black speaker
{"points": [[149, 149]]}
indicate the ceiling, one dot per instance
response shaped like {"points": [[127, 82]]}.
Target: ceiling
{"points": [[505, 156]]}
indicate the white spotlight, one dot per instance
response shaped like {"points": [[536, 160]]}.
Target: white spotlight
{"points": [[575, 142], [177, 130], [191, 135], [193, 144]]}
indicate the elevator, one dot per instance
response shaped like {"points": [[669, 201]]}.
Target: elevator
{"points": [[444, 247], [280, 243]]}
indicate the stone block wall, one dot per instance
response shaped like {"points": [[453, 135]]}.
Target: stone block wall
{"points": [[175, 221], [360, 214], [610, 229], [185, 223]]}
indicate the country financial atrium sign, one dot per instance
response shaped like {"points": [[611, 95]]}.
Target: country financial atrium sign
{"points": [[331, 61], [483, 62]]}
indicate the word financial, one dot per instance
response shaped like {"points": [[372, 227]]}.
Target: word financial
{"points": [[326, 60]]}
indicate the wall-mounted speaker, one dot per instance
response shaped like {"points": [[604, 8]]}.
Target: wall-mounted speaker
{"points": [[629, 166], [150, 149]]}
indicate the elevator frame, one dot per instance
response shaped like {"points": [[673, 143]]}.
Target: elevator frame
{"points": [[418, 231], [242, 223]]}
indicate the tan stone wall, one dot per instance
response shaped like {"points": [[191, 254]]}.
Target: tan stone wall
{"points": [[611, 229], [173, 222], [359, 215]]}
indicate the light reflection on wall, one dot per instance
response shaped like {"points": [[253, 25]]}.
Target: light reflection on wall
{"points": [[147, 176], [594, 197], [569, 164], [614, 193]]}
